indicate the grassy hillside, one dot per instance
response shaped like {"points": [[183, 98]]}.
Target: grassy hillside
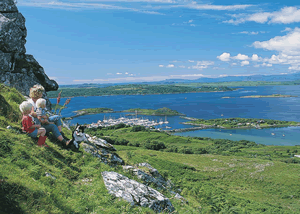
{"points": [[220, 177]]}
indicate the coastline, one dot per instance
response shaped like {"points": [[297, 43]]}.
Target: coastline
{"points": [[143, 94]]}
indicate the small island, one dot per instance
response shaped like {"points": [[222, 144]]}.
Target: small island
{"points": [[240, 123], [267, 96], [263, 96], [90, 111]]}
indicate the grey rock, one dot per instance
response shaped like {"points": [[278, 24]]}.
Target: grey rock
{"points": [[6, 61], [18, 69], [12, 37], [7, 6], [106, 156], [49, 175], [182, 199], [136, 193], [101, 143]]}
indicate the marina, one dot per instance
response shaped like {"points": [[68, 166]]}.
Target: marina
{"points": [[130, 121]]}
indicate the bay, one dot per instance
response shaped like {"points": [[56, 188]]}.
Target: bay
{"points": [[208, 105]]}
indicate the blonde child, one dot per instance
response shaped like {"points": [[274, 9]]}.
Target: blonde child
{"points": [[41, 111], [29, 126]]}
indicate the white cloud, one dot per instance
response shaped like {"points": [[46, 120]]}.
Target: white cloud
{"points": [[286, 15], [133, 5], [224, 57], [215, 7], [161, 66], [190, 21], [288, 44], [245, 63], [241, 57], [255, 57], [170, 66], [233, 63], [287, 29], [250, 32], [202, 65], [191, 60], [187, 75], [181, 66], [118, 73], [266, 64], [87, 5], [126, 72]]}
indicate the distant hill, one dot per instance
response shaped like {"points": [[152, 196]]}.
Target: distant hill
{"points": [[285, 77], [268, 78]]}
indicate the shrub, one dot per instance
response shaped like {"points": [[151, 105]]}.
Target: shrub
{"points": [[138, 128], [153, 145]]}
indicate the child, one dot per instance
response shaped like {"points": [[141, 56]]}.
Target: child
{"points": [[41, 111], [32, 129]]}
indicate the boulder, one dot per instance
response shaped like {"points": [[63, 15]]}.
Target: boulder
{"points": [[136, 193]]}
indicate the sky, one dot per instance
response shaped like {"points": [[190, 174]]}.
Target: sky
{"points": [[113, 41]]}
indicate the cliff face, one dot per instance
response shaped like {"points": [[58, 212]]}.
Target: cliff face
{"points": [[18, 69]]}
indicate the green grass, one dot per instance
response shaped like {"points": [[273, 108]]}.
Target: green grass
{"points": [[233, 177]]}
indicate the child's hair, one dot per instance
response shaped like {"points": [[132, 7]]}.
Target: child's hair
{"points": [[36, 91], [40, 102], [25, 106]]}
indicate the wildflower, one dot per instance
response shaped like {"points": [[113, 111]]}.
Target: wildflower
{"points": [[58, 98]]}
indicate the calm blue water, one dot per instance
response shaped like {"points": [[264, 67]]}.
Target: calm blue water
{"points": [[209, 106]]}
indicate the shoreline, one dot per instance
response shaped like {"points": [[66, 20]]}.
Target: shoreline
{"points": [[142, 94]]}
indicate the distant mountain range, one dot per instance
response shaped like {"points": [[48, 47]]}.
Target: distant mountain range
{"points": [[284, 77], [268, 78]]}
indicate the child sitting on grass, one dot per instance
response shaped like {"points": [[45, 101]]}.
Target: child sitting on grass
{"points": [[29, 127], [41, 111]]}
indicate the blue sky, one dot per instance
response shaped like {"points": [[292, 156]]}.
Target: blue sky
{"points": [[98, 41]]}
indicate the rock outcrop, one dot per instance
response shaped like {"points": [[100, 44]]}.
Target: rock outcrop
{"points": [[136, 193], [101, 149], [18, 69]]}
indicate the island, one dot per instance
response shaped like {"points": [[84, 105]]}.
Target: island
{"points": [[239, 123], [90, 111], [133, 89], [263, 96], [267, 96]]}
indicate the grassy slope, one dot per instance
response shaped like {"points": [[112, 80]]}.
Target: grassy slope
{"points": [[24, 187], [211, 183]]}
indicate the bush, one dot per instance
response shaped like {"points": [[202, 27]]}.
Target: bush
{"points": [[138, 128], [153, 145]]}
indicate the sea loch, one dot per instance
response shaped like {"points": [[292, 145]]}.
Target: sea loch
{"points": [[209, 106]]}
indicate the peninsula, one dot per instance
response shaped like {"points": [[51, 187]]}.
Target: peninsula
{"points": [[239, 123]]}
